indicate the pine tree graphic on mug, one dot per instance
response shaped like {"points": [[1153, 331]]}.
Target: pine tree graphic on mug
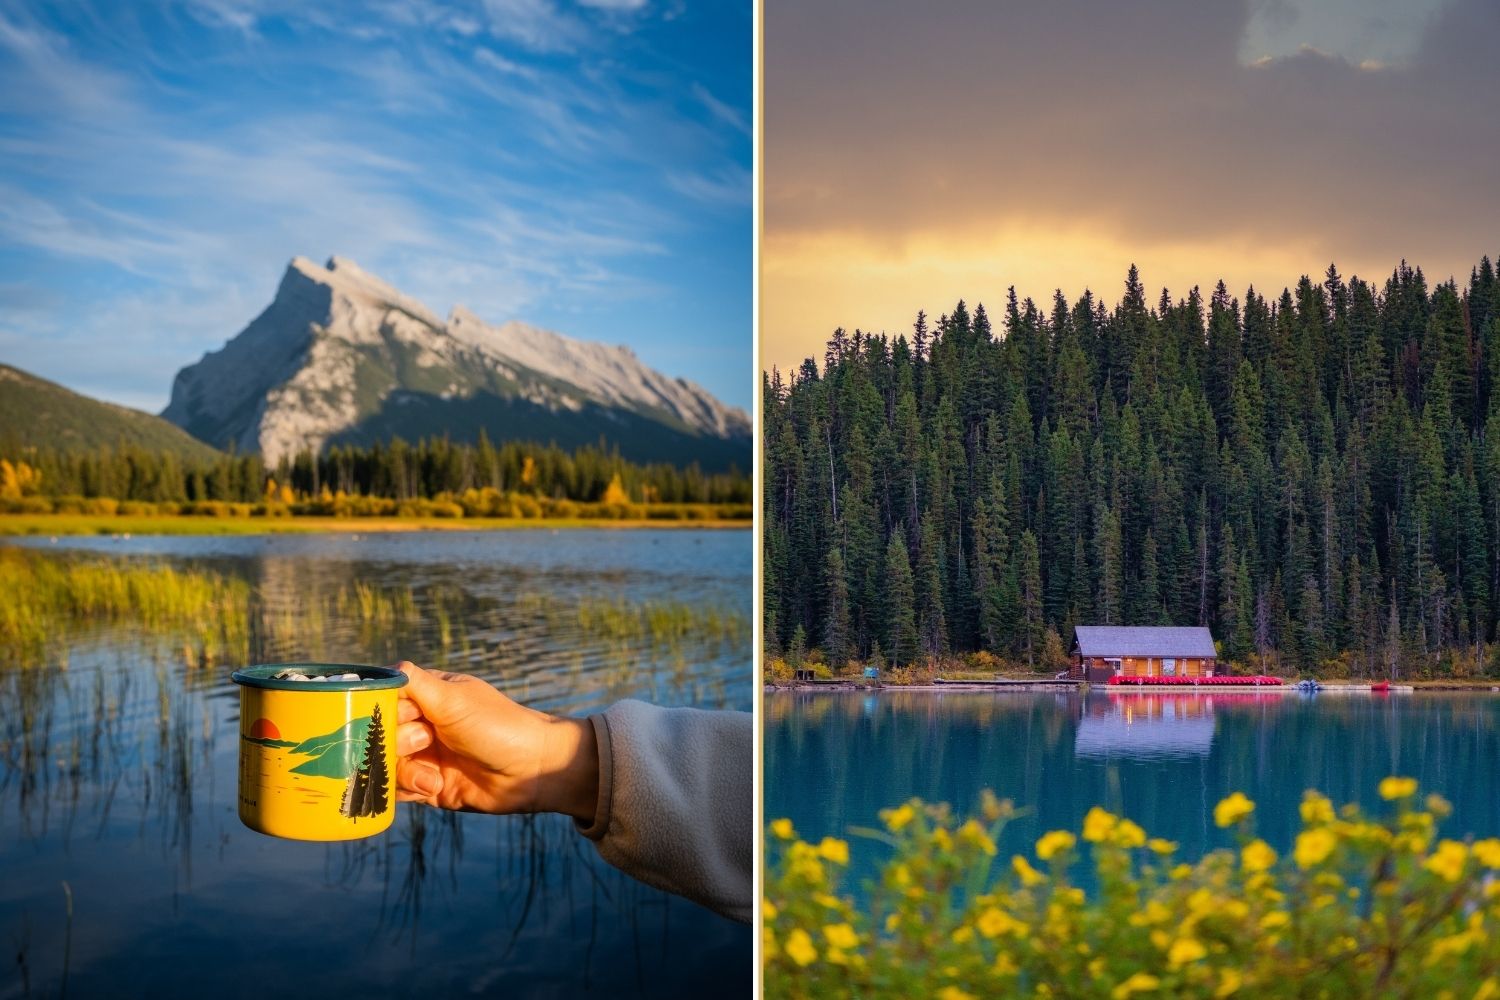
{"points": [[365, 794]]}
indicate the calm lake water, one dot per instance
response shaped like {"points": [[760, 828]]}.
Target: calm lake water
{"points": [[835, 759], [118, 770]]}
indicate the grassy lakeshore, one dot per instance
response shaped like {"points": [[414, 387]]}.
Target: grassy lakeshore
{"points": [[192, 524]]}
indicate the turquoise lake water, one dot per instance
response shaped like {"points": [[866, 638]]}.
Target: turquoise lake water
{"points": [[118, 774], [834, 759]]}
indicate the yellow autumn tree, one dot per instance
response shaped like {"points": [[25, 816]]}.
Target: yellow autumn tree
{"points": [[18, 480], [528, 470], [614, 493]]}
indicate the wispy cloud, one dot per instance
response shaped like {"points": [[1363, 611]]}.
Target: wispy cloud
{"points": [[729, 185], [44, 74], [618, 5], [721, 111], [536, 24]]}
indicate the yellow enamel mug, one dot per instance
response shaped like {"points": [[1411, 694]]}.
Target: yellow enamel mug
{"points": [[318, 755]]}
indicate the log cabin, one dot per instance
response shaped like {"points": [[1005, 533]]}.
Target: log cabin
{"points": [[1103, 651]]}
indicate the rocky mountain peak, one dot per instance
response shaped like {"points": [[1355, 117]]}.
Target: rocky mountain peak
{"points": [[340, 354]]}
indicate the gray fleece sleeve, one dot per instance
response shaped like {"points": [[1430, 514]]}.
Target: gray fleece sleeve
{"points": [[675, 807]]}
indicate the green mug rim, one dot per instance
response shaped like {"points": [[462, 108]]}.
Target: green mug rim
{"points": [[260, 676]]}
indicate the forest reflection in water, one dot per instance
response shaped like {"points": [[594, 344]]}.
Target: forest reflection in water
{"points": [[127, 867], [833, 760]]}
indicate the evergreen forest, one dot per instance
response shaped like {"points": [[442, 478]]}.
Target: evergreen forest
{"points": [[398, 470], [1314, 475]]}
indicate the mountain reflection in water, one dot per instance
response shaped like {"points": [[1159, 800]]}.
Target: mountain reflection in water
{"points": [[127, 871]]}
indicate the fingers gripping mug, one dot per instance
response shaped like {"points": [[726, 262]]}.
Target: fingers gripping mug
{"points": [[318, 749]]}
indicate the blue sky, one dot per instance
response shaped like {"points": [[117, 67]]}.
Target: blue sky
{"points": [[584, 166]]}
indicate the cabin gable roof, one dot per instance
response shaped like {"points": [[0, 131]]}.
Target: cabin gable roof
{"points": [[1144, 640]]}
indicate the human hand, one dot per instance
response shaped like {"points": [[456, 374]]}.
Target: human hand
{"points": [[462, 744]]}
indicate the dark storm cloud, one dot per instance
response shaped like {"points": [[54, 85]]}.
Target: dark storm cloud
{"points": [[1138, 121]]}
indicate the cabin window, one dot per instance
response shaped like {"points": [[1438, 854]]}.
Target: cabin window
{"points": [[1169, 667], [1115, 666]]}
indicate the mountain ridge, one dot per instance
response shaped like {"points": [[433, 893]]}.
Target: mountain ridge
{"points": [[341, 356], [39, 413]]}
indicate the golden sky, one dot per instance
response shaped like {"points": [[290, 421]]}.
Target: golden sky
{"points": [[915, 155]]}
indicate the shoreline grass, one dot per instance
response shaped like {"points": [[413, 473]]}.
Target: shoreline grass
{"points": [[46, 596], [32, 525], [41, 597]]}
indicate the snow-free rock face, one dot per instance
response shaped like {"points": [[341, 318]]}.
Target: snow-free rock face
{"points": [[340, 356]]}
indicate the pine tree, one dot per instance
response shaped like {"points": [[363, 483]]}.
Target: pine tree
{"points": [[1030, 571], [899, 614], [367, 792], [932, 624], [836, 612]]}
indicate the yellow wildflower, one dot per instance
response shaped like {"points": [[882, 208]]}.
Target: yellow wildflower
{"points": [[1141, 982], [1229, 982], [1487, 852], [799, 947], [942, 840], [974, 835], [841, 936], [1313, 847], [1154, 912], [995, 921], [806, 865], [1005, 965], [899, 817], [1398, 788], [1455, 944], [1053, 843], [1316, 809], [1185, 950], [1181, 872], [892, 921], [1098, 825], [768, 910], [962, 935], [1233, 809], [1128, 834], [1439, 806], [782, 828], [836, 851], [1447, 862], [1257, 856], [836, 956], [1162, 847], [1488, 990], [768, 947], [1027, 874], [1274, 919], [1412, 841], [1201, 902], [954, 993]]}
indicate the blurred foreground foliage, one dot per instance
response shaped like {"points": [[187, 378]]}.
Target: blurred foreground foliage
{"points": [[1364, 906]]}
